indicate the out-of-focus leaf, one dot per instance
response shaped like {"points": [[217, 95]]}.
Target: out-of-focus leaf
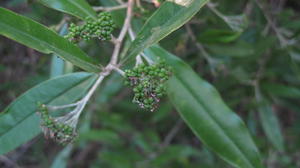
{"points": [[79, 8], [19, 121], [39, 37], [168, 18], [61, 159], [237, 23], [203, 110], [15, 2], [238, 49], [218, 36], [281, 90], [295, 54], [269, 122], [57, 64], [103, 135], [174, 153]]}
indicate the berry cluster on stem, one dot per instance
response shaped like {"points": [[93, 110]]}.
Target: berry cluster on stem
{"points": [[147, 82], [101, 28], [61, 132]]}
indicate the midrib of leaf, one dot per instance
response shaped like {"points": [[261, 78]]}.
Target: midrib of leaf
{"points": [[185, 85], [6, 131], [83, 9]]}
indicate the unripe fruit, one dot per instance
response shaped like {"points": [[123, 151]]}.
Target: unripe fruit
{"points": [[101, 28], [147, 83]]}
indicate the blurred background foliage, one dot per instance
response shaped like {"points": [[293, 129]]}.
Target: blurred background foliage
{"points": [[248, 49]]}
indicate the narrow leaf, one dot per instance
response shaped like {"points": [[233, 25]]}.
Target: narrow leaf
{"points": [[61, 160], [168, 18], [281, 90], [269, 121], [78, 8], [39, 37], [218, 36], [203, 110], [20, 123], [58, 64]]}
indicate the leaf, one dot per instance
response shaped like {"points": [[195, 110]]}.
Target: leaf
{"points": [[169, 17], [174, 153], [78, 8], [39, 37], [238, 49], [61, 160], [281, 90], [218, 36], [57, 64], [237, 23], [104, 136], [20, 123], [203, 110], [269, 121]]}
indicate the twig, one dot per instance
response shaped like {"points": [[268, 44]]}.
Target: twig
{"points": [[112, 8], [122, 34], [170, 136], [283, 42], [73, 116], [138, 58], [200, 47], [212, 7]]}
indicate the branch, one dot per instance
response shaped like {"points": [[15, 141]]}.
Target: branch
{"points": [[73, 116], [108, 9], [283, 42], [122, 34], [170, 136]]}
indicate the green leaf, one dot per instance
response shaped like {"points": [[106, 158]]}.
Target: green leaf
{"points": [[104, 136], [78, 8], [169, 17], [218, 36], [20, 123], [269, 121], [203, 110], [237, 23], [281, 90], [61, 160], [238, 49], [39, 37], [58, 64]]}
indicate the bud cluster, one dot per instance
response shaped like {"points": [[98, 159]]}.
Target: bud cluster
{"points": [[59, 131], [147, 82], [101, 28]]}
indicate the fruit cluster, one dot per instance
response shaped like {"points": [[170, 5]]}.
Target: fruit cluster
{"points": [[147, 82], [101, 28], [60, 132]]}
